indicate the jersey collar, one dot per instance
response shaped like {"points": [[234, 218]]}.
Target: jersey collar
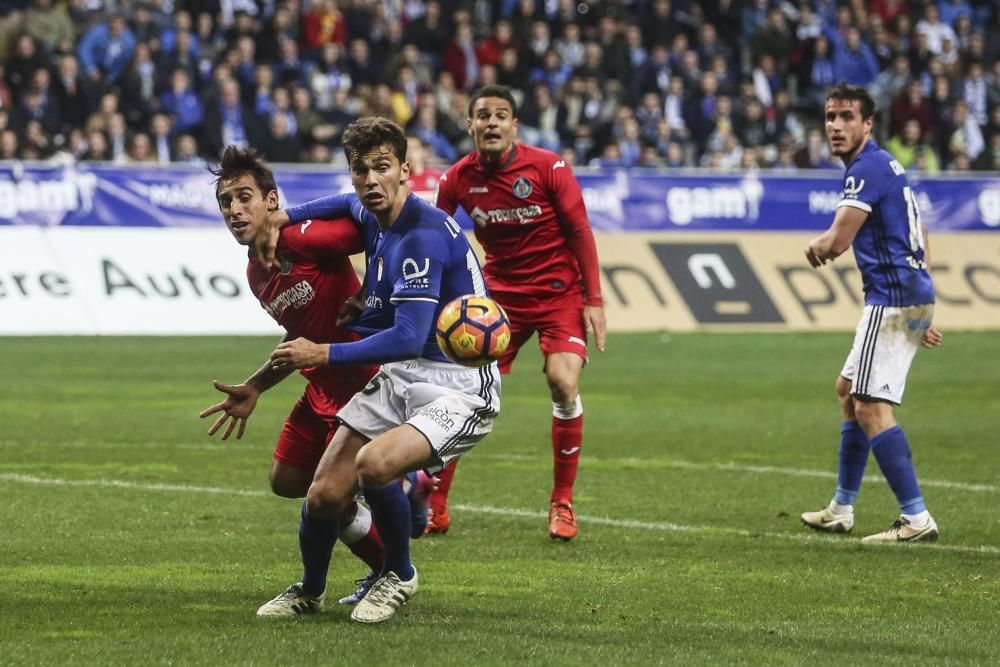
{"points": [[504, 164]]}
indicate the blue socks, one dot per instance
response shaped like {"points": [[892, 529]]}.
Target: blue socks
{"points": [[892, 451], [391, 513], [854, 448], [316, 540]]}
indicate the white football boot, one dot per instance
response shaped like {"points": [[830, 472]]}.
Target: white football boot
{"points": [[385, 597], [829, 521], [902, 531], [293, 602]]}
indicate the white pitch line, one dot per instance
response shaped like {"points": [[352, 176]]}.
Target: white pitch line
{"points": [[663, 526], [739, 467], [595, 460]]}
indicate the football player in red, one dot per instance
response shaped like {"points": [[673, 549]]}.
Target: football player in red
{"points": [[423, 180], [541, 266], [316, 278]]}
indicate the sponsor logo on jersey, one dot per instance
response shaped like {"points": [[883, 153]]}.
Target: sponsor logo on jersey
{"points": [[558, 164], [378, 270], [522, 214], [373, 302], [521, 187], [439, 416], [853, 187], [296, 296], [478, 190], [305, 226]]}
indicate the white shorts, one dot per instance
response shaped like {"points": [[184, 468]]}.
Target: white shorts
{"points": [[453, 406], [885, 342]]}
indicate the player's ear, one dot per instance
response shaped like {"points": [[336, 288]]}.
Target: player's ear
{"points": [[468, 126], [271, 200], [404, 172]]}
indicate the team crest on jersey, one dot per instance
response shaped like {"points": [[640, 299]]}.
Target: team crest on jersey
{"points": [[522, 188], [378, 270], [286, 266]]}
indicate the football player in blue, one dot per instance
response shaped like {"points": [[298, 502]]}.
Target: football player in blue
{"points": [[421, 410], [880, 218]]}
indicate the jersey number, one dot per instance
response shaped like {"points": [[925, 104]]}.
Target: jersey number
{"points": [[913, 215]]}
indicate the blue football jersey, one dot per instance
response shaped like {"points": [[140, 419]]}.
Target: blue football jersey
{"points": [[424, 256], [889, 247]]}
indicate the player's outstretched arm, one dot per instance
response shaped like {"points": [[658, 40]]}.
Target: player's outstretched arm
{"points": [[241, 399]]}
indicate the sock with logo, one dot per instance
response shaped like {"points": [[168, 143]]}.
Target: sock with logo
{"points": [[854, 448], [361, 537], [391, 511], [892, 451], [438, 500], [567, 439], [316, 539]]}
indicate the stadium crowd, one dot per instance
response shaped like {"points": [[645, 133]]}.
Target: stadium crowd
{"points": [[726, 84]]}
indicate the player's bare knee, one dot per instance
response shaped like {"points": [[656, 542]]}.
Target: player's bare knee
{"points": [[326, 501], [373, 468], [563, 387]]}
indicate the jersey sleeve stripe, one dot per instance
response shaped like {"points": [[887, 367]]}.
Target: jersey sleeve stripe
{"points": [[855, 204], [397, 299]]}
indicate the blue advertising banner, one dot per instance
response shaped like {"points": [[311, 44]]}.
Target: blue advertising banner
{"points": [[617, 200]]}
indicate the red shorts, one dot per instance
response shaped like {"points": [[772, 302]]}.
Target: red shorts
{"points": [[308, 429], [559, 323]]}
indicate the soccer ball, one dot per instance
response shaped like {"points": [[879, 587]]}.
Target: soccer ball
{"points": [[473, 330]]}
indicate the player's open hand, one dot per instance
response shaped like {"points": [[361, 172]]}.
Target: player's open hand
{"points": [[241, 399], [350, 311], [932, 338], [597, 324], [299, 353], [265, 245]]}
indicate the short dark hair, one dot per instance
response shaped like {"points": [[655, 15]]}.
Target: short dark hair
{"points": [[493, 90], [368, 134], [848, 91], [238, 161]]}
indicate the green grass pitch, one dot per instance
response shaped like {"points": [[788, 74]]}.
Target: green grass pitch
{"points": [[128, 537]]}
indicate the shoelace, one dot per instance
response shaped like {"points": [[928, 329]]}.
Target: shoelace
{"points": [[563, 514], [383, 589]]}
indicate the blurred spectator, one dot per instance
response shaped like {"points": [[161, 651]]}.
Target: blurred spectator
{"points": [[182, 103], [97, 147], [140, 86], [106, 50], [23, 64], [815, 154], [911, 105], [161, 129], [934, 28], [854, 62], [227, 122], [323, 24], [459, 58], [76, 93], [186, 150], [140, 149], [974, 92], [906, 147], [9, 147], [49, 24], [964, 136]]}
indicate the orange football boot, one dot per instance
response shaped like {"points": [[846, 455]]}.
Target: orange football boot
{"points": [[438, 523], [562, 521]]}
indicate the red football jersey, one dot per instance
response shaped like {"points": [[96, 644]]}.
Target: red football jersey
{"points": [[530, 219], [304, 297], [425, 184]]}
